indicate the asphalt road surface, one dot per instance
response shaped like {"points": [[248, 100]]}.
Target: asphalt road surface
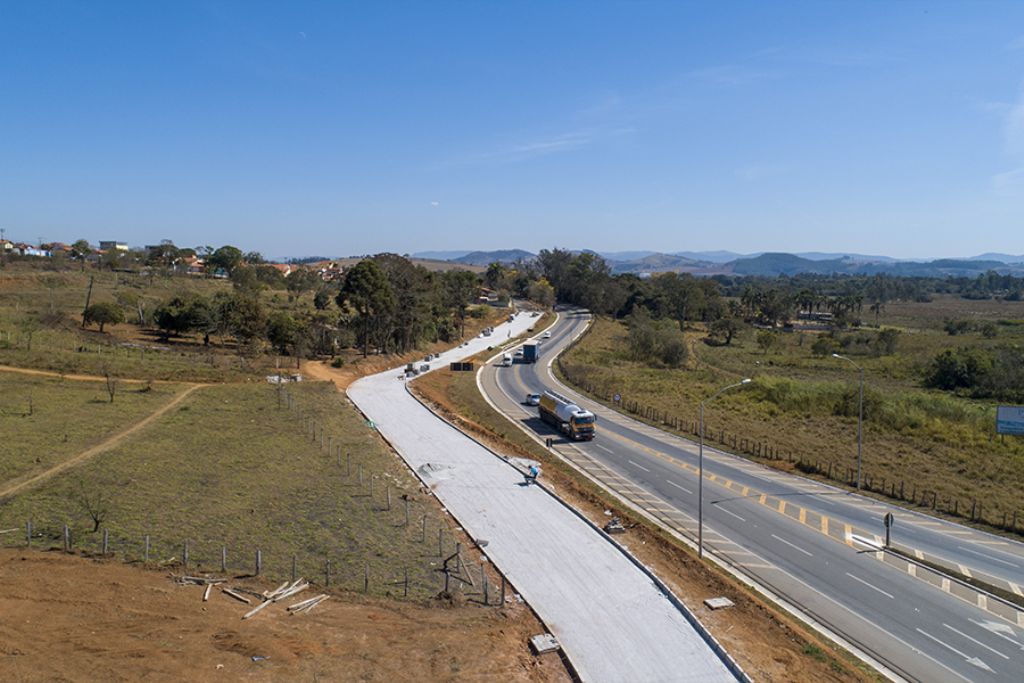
{"points": [[811, 545], [613, 622]]}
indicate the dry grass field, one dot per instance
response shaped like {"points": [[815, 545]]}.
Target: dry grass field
{"points": [[806, 405]]}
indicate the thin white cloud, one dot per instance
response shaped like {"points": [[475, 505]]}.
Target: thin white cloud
{"points": [[1008, 181], [543, 146], [731, 75], [435, 203]]}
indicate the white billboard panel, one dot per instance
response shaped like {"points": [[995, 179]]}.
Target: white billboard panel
{"points": [[1010, 420]]}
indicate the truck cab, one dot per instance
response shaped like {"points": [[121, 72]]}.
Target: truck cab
{"points": [[506, 360]]}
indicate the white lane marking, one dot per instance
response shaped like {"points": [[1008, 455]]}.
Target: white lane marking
{"points": [[605, 448], [1000, 629], [987, 557], [730, 512], [976, 642], [826, 501], [682, 488], [873, 587], [795, 547], [972, 660], [638, 465]]}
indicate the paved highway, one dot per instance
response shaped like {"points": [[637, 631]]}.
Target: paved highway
{"points": [[613, 622], [810, 545]]}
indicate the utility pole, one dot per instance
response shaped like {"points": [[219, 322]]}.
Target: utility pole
{"points": [[88, 297]]}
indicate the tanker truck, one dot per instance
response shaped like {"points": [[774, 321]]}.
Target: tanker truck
{"points": [[567, 417]]}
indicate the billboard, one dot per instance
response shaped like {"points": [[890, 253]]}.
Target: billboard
{"points": [[1010, 420]]}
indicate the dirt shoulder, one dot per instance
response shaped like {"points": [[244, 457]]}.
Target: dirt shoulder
{"points": [[70, 618]]}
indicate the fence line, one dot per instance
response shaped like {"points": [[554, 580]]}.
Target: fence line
{"points": [[896, 489]]}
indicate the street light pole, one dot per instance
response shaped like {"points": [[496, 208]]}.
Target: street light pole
{"points": [[700, 467], [860, 417]]}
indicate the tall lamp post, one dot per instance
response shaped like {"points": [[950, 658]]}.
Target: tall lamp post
{"points": [[700, 460], [860, 416]]}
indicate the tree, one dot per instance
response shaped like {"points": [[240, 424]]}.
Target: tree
{"points": [[227, 257], [105, 313], [766, 339], [460, 289], [541, 292], [886, 341], [94, 504], [281, 331], [367, 290], [725, 327], [80, 250]]}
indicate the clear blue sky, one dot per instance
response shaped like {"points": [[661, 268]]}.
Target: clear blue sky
{"points": [[346, 128]]}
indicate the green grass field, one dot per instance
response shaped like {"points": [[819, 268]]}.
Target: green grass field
{"points": [[228, 467], [806, 405], [66, 417]]}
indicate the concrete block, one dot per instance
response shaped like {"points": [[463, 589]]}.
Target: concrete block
{"points": [[718, 603], [543, 643]]}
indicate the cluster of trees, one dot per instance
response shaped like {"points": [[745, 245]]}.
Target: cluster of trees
{"points": [[385, 303], [655, 342], [981, 373]]}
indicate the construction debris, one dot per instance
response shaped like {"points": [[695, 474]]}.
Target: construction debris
{"points": [[236, 596], [614, 526], [718, 603], [206, 593], [543, 643]]}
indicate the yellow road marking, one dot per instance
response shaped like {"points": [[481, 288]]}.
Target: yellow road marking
{"points": [[782, 507], [945, 585], [848, 534], [803, 516], [965, 571], [762, 498], [1015, 588], [745, 491], [824, 525]]}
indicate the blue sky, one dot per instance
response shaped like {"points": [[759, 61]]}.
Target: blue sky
{"points": [[348, 128]]}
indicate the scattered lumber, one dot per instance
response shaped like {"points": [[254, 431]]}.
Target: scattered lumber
{"points": [[236, 596], [307, 605], [275, 591], [206, 593], [252, 612]]}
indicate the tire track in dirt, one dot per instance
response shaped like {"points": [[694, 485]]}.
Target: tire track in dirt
{"points": [[104, 445]]}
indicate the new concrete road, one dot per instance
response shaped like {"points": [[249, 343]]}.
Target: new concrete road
{"points": [[612, 619], [813, 547]]}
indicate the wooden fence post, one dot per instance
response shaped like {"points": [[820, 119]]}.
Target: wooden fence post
{"points": [[223, 558], [184, 555], [259, 562], [145, 552], [106, 541], [28, 531], [67, 539], [327, 573]]}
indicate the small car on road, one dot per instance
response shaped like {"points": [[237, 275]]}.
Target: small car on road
{"points": [[532, 400]]}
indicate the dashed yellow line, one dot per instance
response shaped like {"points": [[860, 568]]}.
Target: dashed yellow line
{"points": [[803, 515], [782, 507], [824, 525]]}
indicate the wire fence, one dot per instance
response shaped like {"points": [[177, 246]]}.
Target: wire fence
{"points": [[970, 509]]}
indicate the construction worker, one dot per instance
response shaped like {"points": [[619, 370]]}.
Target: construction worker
{"points": [[532, 474]]}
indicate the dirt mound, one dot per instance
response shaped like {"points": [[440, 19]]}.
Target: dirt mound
{"points": [[70, 618]]}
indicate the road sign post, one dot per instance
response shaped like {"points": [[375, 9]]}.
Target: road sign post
{"points": [[888, 520]]}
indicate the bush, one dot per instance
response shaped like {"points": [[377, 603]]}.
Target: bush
{"points": [[337, 362], [886, 341], [824, 345]]}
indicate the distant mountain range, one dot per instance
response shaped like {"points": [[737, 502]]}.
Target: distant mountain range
{"points": [[762, 264]]}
